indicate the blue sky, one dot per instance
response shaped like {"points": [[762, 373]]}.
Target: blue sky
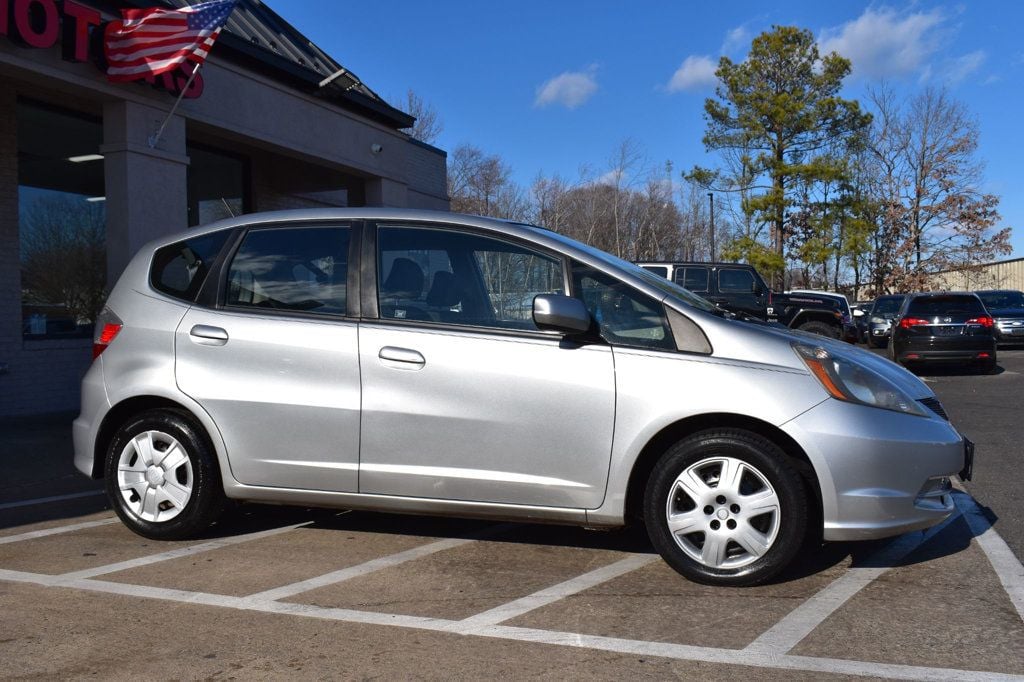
{"points": [[553, 86]]}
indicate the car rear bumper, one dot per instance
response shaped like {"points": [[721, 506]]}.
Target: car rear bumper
{"points": [[881, 473], [86, 426], [938, 349]]}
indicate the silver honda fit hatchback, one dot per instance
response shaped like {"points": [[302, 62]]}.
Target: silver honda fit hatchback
{"points": [[423, 362]]}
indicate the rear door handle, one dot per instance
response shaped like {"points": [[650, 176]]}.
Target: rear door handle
{"points": [[401, 358], [207, 335]]}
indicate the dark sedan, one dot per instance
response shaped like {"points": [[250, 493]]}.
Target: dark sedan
{"points": [[883, 311], [1006, 306], [953, 328]]}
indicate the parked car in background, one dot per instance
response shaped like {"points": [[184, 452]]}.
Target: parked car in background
{"points": [[356, 358], [883, 311], [849, 333], [953, 328], [1007, 309], [739, 288], [861, 311]]}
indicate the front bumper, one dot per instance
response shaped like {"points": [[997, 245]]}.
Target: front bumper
{"points": [[881, 473]]}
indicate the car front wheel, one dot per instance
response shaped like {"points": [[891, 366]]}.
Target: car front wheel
{"points": [[162, 477], [726, 507]]}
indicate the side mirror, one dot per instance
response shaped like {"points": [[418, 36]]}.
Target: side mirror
{"points": [[560, 313]]}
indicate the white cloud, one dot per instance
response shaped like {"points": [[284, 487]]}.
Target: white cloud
{"points": [[695, 73], [961, 67], [570, 89], [884, 43], [736, 39]]}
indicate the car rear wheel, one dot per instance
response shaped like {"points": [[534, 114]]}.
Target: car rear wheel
{"points": [[162, 477], [726, 507], [820, 328]]}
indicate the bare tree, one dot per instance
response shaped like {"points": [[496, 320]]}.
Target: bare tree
{"points": [[63, 255], [428, 125]]}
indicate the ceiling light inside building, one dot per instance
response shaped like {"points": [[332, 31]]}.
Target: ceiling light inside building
{"points": [[85, 157], [95, 199]]}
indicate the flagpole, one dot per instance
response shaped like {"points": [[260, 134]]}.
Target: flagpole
{"points": [[154, 138]]}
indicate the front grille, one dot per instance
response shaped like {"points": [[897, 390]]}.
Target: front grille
{"points": [[935, 406]]}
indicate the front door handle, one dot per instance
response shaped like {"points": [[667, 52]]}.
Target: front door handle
{"points": [[207, 335], [401, 358]]}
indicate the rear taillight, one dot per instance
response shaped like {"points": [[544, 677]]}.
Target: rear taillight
{"points": [[984, 321], [908, 322], [108, 326]]}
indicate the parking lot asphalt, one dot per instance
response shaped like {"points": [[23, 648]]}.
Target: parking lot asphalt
{"points": [[274, 592]]}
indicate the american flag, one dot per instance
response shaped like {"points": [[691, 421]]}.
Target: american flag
{"points": [[156, 40]]}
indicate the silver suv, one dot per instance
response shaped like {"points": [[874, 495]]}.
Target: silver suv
{"points": [[424, 362]]}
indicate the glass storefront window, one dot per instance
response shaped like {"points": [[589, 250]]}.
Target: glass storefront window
{"points": [[216, 185], [61, 221]]}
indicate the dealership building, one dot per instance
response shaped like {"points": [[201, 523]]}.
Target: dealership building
{"points": [[270, 122]]}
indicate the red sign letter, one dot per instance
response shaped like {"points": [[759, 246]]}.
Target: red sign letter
{"points": [[77, 20], [36, 22]]}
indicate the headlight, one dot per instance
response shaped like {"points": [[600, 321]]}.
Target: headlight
{"points": [[877, 320], [850, 382]]}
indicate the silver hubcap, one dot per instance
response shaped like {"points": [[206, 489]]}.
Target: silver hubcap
{"points": [[723, 512], [155, 476]]}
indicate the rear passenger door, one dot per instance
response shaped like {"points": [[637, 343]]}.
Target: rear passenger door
{"points": [[273, 358]]}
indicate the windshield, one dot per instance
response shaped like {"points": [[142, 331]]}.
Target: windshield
{"points": [[887, 305], [660, 283], [933, 306], [1003, 300]]}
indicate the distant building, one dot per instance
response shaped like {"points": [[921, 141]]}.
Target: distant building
{"points": [[272, 122], [1005, 274]]}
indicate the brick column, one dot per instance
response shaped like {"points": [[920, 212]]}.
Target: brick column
{"points": [[146, 188]]}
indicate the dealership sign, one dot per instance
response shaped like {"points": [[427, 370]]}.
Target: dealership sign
{"points": [[79, 29]]}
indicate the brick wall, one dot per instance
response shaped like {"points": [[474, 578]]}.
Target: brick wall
{"points": [[42, 376]]}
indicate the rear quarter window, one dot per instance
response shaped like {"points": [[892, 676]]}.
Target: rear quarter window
{"points": [[179, 270]]}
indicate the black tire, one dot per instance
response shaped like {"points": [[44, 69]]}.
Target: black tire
{"points": [[206, 501], [758, 453], [821, 328], [989, 366]]}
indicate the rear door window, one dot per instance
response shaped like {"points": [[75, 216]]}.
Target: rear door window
{"points": [[179, 270], [734, 280], [693, 279], [299, 269]]}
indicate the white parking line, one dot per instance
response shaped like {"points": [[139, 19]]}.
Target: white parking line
{"points": [[801, 621], [55, 531], [554, 593], [503, 632], [179, 552], [55, 498], [371, 566], [1005, 564]]}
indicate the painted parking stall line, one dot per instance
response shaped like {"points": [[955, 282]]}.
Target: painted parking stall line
{"points": [[681, 652], [523, 605], [1008, 569], [804, 619], [54, 498], [373, 565], [31, 535], [179, 552]]}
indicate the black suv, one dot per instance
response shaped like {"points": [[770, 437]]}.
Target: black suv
{"points": [[740, 289], [945, 327]]}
